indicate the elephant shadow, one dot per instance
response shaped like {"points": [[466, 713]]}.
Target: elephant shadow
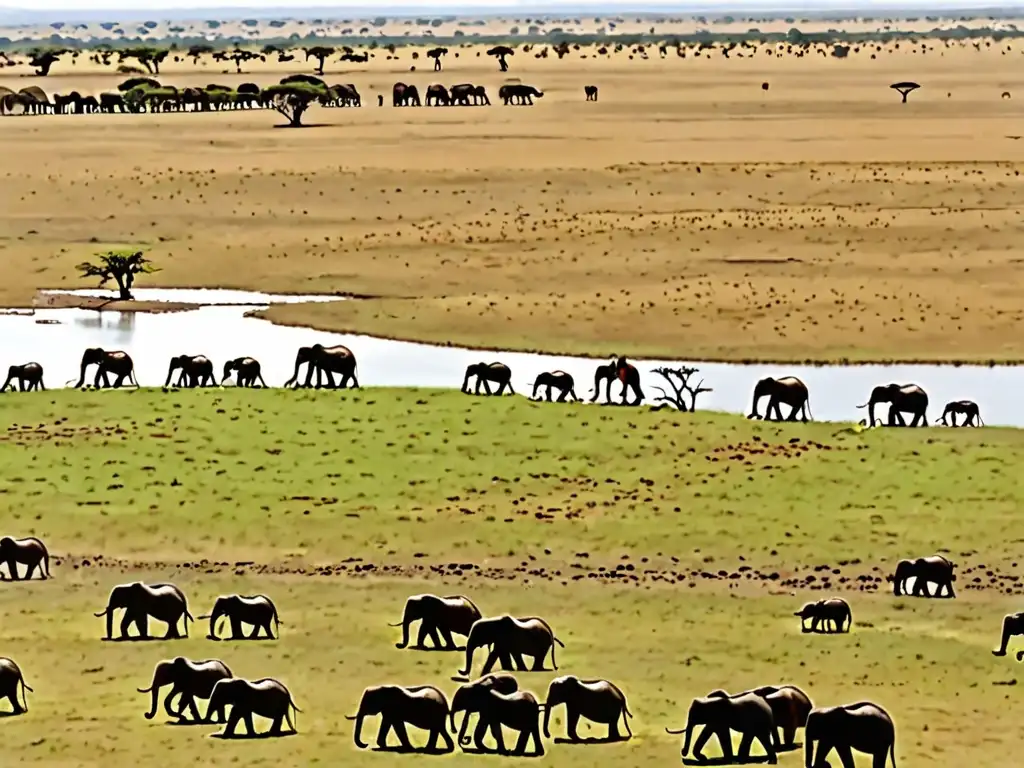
{"points": [[400, 750], [431, 649], [589, 741], [241, 736], [187, 723], [137, 639], [11, 714], [487, 752], [752, 760]]}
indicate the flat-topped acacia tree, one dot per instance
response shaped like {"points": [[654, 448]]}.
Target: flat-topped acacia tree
{"points": [[293, 99], [120, 266], [42, 60], [321, 53], [150, 58], [905, 88]]}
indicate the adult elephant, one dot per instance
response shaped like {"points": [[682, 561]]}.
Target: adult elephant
{"points": [[67, 104], [258, 611], [518, 94], [88, 105], [1013, 626], [789, 390], [164, 602], [403, 95], [936, 569], [437, 95], [463, 94], [10, 679], [29, 376], [30, 552], [188, 679], [480, 96], [439, 617], [249, 372], [902, 398], [559, 380], [790, 707], [421, 706], [519, 711], [624, 372], [832, 613], [111, 103], [966, 408], [265, 697], [116, 362], [196, 371], [472, 698], [196, 98], [495, 373], [328, 360], [596, 700], [746, 713], [864, 727], [510, 639]]}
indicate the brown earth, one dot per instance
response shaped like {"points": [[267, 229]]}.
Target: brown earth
{"points": [[687, 213]]}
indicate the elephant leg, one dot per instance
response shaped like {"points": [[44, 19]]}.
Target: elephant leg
{"points": [[172, 630], [846, 756], [255, 631], [769, 748], [13, 698], [449, 745], [421, 636], [538, 662], [487, 387], [236, 629], [449, 641], [275, 727], [572, 720], [382, 733], [613, 729], [402, 734], [479, 732], [31, 570], [565, 394], [698, 745], [434, 636], [499, 739], [788, 735], [249, 727], [725, 740], [229, 728], [745, 743], [492, 658], [193, 709], [521, 742], [517, 658]]}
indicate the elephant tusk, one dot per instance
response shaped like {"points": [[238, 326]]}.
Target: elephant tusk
{"points": [[351, 717]]}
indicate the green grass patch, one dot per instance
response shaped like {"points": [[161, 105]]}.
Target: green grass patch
{"points": [[668, 551]]}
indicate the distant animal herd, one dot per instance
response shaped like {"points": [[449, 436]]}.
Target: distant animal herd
{"points": [[143, 94], [325, 362], [770, 715]]}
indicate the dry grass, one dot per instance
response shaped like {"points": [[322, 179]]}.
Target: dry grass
{"points": [[687, 212]]}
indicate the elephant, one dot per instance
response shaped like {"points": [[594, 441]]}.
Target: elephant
{"points": [[329, 360], [421, 706], [118, 363], [1013, 626], [624, 372], [863, 726], [833, 613], [67, 104], [256, 610], [749, 714], [403, 95], [30, 374], [472, 698], [464, 92], [249, 371], [265, 697], [190, 680], [480, 96], [497, 373], [591, 92], [197, 98], [28, 551], [164, 602], [438, 95], [902, 398], [511, 639], [935, 569], [453, 614], [196, 371], [790, 707], [89, 105], [559, 380], [524, 94], [111, 103], [519, 711], [788, 390], [10, 676], [597, 700], [967, 408]]}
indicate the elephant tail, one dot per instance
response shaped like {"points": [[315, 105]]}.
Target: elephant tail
{"points": [[675, 733], [104, 612], [558, 641], [140, 690], [892, 750], [863, 406], [131, 377], [351, 717], [807, 405], [46, 559]]}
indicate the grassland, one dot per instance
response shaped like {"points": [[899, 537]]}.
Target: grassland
{"points": [[687, 213], [668, 551]]}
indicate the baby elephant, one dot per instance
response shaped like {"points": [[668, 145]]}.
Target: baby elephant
{"points": [[966, 408], [258, 611], [597, 700], [10, 676], [831, 613]]}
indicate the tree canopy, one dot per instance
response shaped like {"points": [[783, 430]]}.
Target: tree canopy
{"points": [[42, 60], [150, 58], [120, 266], [321, 54], [293, 99]]}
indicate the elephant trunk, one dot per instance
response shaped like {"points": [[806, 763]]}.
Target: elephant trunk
{"points": [[898, 578], [152, 706], [10, 376], [547, 717], [686, 738], [215, 616], [227, 372], [295, 375], [170, 373], [470, 649], [465, 380], [809, 739], [758, 394], [359, 729], [81, 378]]}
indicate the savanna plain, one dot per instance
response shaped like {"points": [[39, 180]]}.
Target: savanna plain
{"points": [[690, 213]]}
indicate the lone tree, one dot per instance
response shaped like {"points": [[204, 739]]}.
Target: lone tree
{"points": [[500, 52], [195, 51], [436, 54], [321, 53], [293, 99], [239, 56], [679, 380], [43, 60], [121, 266], [150, 58], [904, 89]]}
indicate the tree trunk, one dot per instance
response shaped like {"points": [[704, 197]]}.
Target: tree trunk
{"points": [[296, 117], [124, 290]]}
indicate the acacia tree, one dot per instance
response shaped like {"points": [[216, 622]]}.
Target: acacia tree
{"points": [[150, 58], [293, 99], [120, 266], [239, 56], [321, 53], [195, 51], [42, 60]]}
